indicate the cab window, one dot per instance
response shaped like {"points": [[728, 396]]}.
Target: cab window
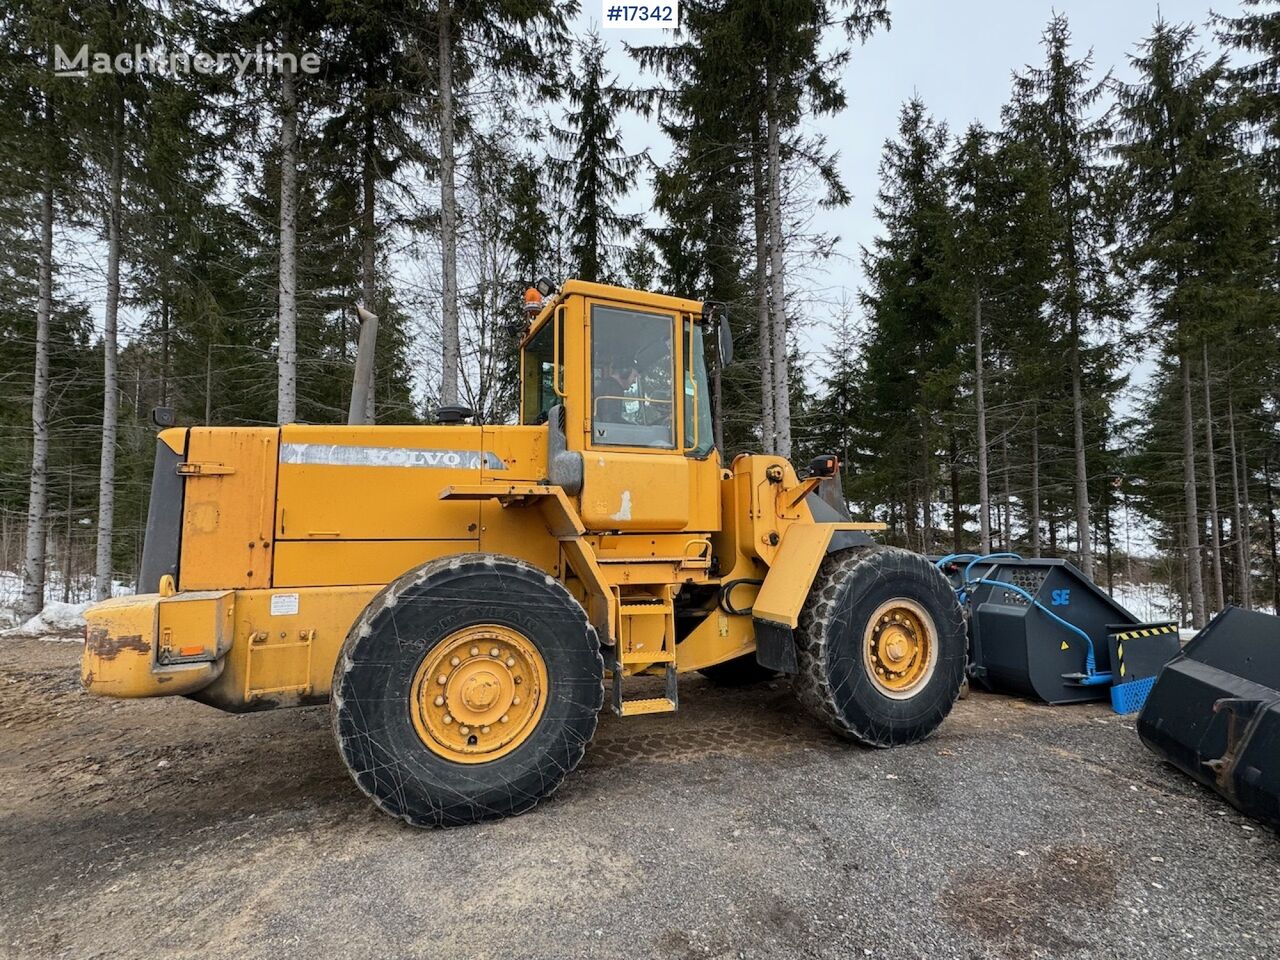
{"points": [[633, 367], [537, 369], [698, 429]]}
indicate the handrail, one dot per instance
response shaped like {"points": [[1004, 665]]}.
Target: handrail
{"points": [[557, 362], [690, 415]]}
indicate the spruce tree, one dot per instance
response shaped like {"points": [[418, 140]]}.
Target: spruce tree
{"points": [[909, 351], [599, 167], [1054, 108], [1175, 138]]}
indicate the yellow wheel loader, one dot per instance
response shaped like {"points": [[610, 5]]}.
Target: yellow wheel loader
{"points": [[463, 595]]}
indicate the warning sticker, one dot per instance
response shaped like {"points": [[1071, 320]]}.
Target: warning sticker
{"points": [[284, 604]]}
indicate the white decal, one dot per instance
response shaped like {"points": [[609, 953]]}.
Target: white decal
{"points": [[284, 604], [339, 455]]}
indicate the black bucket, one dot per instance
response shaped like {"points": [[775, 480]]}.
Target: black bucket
{"points": [[1214, 712]]}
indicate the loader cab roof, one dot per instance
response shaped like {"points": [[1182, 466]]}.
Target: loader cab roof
{"points": [[604, 291]]}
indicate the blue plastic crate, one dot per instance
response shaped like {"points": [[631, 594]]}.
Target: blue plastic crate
{"points": [[1129, 697]]}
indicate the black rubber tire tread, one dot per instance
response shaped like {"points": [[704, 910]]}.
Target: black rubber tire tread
{"points": [[738, 672], [373, 677], [832, 682]]}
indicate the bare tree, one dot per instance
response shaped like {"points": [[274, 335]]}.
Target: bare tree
{"points": [[980, 402], [38, 497], [110, 366], [1215, 540], [448, 216], [1195, 582], [1240, 511], [287, 355], [777, 282], [759, 192]]}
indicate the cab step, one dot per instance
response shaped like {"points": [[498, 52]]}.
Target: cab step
{"points": [[633, 708], [646, 642]]}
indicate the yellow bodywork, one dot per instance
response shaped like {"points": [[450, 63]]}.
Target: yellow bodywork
{"points": [[287, 533]]}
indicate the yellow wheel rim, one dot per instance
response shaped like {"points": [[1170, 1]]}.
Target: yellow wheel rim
{"points": [[900, 648], [479, 693]]}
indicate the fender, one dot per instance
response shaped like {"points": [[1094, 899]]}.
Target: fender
{"points": [[776, 610]]}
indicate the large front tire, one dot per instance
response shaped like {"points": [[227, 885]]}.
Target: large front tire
{"points": [[880, 646], [466, 691]]}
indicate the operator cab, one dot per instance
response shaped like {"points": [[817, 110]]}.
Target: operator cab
{"points": [[622, 376], [637, 359]]}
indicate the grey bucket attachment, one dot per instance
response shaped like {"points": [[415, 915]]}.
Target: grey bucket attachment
{"points": [[1214, 712]]}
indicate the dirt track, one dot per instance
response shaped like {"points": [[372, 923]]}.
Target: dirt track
{"points": [[735, 829]]}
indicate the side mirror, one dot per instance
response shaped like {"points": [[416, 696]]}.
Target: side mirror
{"points": [[453, 416], [724, 341], [163, 417], [824, 466], [718, 313]]}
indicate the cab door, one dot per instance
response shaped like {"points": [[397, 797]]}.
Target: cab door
{"points": [[636, 475]]}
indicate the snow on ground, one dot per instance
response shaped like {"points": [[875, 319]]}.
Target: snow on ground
{"points": [[56, 618], [59, 616]]}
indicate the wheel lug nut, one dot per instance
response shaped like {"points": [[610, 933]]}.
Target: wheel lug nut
{"points": [[493, 652], [519, 679], [484, 729], [442, 679], [439, 701], [504, 718], [475, 651], [454, 661], [515, 701], [511, 661], [448, 718], [464, 730]]}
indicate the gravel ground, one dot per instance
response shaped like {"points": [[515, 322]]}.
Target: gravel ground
{"points": [[733, 829]]}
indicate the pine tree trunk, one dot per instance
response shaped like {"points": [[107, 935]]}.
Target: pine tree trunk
{"points": [[759, 190], [956, 532], [980, 402], [1035, 483], [38, 498], [1195, 583], [448, 218], [110, 373], [777, 280], [1271, 529], [164, 349], [287, 359], [1239, 523], [1106, 541], [67, 567], [1082, 470], [1215, 540], [361, 408], [1006, 496], [926, 490]]}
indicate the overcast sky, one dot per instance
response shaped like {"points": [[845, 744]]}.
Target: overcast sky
{"points": [[958, 56]]}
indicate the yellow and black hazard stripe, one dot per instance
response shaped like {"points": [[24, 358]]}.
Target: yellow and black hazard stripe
{"points": [[1147, 631], [1136, 634]]}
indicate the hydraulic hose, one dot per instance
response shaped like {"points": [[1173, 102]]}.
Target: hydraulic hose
{"points": [[1091, 675]]}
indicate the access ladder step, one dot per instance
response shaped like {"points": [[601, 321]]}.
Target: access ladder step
{"points": [[631, 708]]}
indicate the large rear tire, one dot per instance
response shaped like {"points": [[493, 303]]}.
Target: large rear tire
{"points": [[881, 646], [466, 691]]}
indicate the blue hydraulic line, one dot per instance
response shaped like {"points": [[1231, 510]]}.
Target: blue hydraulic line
{"points": [[990, 556], [952, 557], [1092, 677]]}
